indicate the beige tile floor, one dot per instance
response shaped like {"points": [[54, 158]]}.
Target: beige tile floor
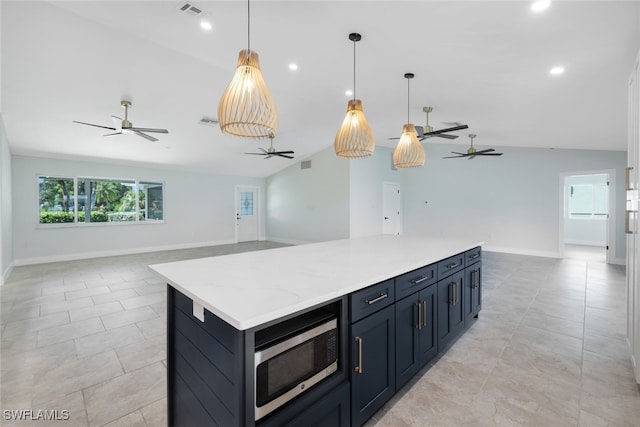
{"points": [[88, 337]]}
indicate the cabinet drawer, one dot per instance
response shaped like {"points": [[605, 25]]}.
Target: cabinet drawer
{"points": [[472, 256], [448, 266], [371, 299], [416, 280]]}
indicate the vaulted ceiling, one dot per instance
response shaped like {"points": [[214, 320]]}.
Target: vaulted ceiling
{"points": [[482, 63]]}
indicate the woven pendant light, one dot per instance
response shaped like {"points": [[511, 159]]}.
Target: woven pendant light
{"points": [[354, 138], [246, 108], [409, 152]]}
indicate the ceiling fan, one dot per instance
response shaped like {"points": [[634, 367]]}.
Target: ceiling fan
{"points": [[270, 152], [125, 126], [472, 152], [427, 131]]}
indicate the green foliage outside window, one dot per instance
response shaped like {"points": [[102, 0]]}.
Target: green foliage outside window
{"points": [[98, 200]]}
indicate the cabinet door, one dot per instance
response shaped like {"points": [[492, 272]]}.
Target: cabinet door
{"points": [[428, 333], [408, 323], [450, 312], [473, 292], [330, 411], [372, 364]]}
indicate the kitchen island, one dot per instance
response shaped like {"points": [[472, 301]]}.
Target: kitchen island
{"points": [[217, 306]]}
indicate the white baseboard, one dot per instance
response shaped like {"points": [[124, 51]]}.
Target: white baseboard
{"points": [[117, 252], [5, 274], [287, 241], [599, 244]]}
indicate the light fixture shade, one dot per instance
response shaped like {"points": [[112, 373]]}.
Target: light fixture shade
{"points": [[409, 152], [354, 138], [246, 108]]}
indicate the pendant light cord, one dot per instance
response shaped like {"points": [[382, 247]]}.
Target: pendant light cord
{"points": [[248, 25], [408, 99], [354, 71]]}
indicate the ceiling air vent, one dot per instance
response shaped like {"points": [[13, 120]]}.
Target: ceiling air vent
{"points": [[190, 9], [305, 164], [208, 122]]}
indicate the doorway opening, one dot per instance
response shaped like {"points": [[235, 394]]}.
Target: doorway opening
{"points": [[586, 208]]}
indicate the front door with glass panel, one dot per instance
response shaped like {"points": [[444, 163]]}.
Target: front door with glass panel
{"points": [[247, 214]]}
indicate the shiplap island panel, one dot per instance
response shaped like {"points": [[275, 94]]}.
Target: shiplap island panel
{"points": [[253, 288]]}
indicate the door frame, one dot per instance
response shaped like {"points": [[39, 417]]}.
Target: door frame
{"points": [[257, 205], [611, 220]]}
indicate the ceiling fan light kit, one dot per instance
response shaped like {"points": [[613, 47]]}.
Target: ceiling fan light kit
{"points": [[354, 139], [125, 126], [246, 108], [409, 152]]}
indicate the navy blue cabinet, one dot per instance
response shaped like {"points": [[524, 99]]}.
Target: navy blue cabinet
{"points": [[472, 292], [330, 411], [372, 364], [450, 309], [416, 333]]}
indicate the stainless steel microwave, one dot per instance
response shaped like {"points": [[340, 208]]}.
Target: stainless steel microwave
{"points": [[290, 364]]}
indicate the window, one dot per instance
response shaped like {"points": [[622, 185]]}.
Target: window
{"points": [[99, 200], [246, 203], [589, 200], [56, 198], [151, 201]]}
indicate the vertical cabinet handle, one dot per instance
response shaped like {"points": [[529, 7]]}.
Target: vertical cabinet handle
{"points": [[424, 314], [628, 177], [358, 368], [627, 222]]}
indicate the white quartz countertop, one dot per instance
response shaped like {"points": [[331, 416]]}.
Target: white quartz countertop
{"points": [[252, 288]]}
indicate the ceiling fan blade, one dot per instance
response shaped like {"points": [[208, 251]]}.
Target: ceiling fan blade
{"points": [[257, 154], [283, 152], [283, 155], [488, 150], [395, 137], [263, 150], [462, 154], [145, 136], [149, 130], [419, 131], [490, 154], [111, 134], [268, 156], [444, 135], [91, 124], [455, 157], [436, 132]]}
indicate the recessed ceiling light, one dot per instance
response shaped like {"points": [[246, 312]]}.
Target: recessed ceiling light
{"points": [[293, 67], [348, 92], [555, 71], [540, 5], [205, 25]]}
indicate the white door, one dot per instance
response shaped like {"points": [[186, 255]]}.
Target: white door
{"points": [[247, 214], [391, 208]]}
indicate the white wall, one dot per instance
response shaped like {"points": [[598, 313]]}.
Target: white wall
{"points": [[199, 210], [6, 217], [309, 205], [583, 231], [510, 202], [367, 177]]}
